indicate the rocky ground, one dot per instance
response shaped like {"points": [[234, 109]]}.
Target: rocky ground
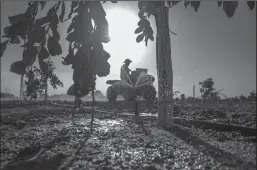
{"points": [[118, 141]]}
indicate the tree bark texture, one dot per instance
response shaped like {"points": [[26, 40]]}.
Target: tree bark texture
{"points": [[164, 67], [21, 86], [46, 89]]}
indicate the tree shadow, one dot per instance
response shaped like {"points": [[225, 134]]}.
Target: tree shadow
{"points": [[81, 145], [218, 154]]}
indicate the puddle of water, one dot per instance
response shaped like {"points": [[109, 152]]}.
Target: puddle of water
{"points": [[149, 114]]}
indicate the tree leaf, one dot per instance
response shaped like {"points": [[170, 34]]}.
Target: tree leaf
{"points": [[74, 4], [17, 19], [6, 36], [61, 17], [43, 53], [18, 29], [103, 69], [71, 37], [148, 31], [106, 55], [172, 3], [51, 12], [18, 67], [15, 40], [140, 37], [29, 55], [43, 66], [30, 74], [3, 47], [251, 4], [195, 5], [230, 7], [54, 19], [97, 12], [55, 32], [54, 81], [43, 21], [53, 46], [138, 30], [37, 34], [70, 28], [6, 29], [143, 23], [34, 8], [219, 3], [186, 3], [141, 15], [42, 3], [151, 37]]}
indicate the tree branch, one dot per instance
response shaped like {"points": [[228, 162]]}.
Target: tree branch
{"points": [[173, 32]]}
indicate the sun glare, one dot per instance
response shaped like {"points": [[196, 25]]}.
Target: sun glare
{"points": [[122, 25]]}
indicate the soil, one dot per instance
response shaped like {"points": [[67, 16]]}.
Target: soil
{"points": [[38, 135]]}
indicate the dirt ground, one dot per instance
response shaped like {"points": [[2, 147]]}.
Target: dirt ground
{"points": [[118, 141]]}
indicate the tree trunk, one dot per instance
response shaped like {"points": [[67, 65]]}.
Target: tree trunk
{"points": [[46, 84], [46, 87], [164, 67], [21, 87]]}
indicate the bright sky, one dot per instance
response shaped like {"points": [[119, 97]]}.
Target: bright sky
{"points": [[208, 44]]}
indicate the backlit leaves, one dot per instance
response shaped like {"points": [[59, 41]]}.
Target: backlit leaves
{"points": [[219, 3], [43, 53], [42, 3], [69, 59], [17, 19], [172, 3], [103, 68], [37, 34], [53, 46], [18, 67], [186, 3], [98, 15], [251, 4], [42, 21], [74, 4], [147, 7], [195, 5], [43, 66], [29, 55], [230, 7], [18, 29], [138, 30], [54, 19], [70, 28], [15, 40], [6, 29], [30, 75], [145, 27], [140, 37], [61, 17], [55, 32], [54, 81]]}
